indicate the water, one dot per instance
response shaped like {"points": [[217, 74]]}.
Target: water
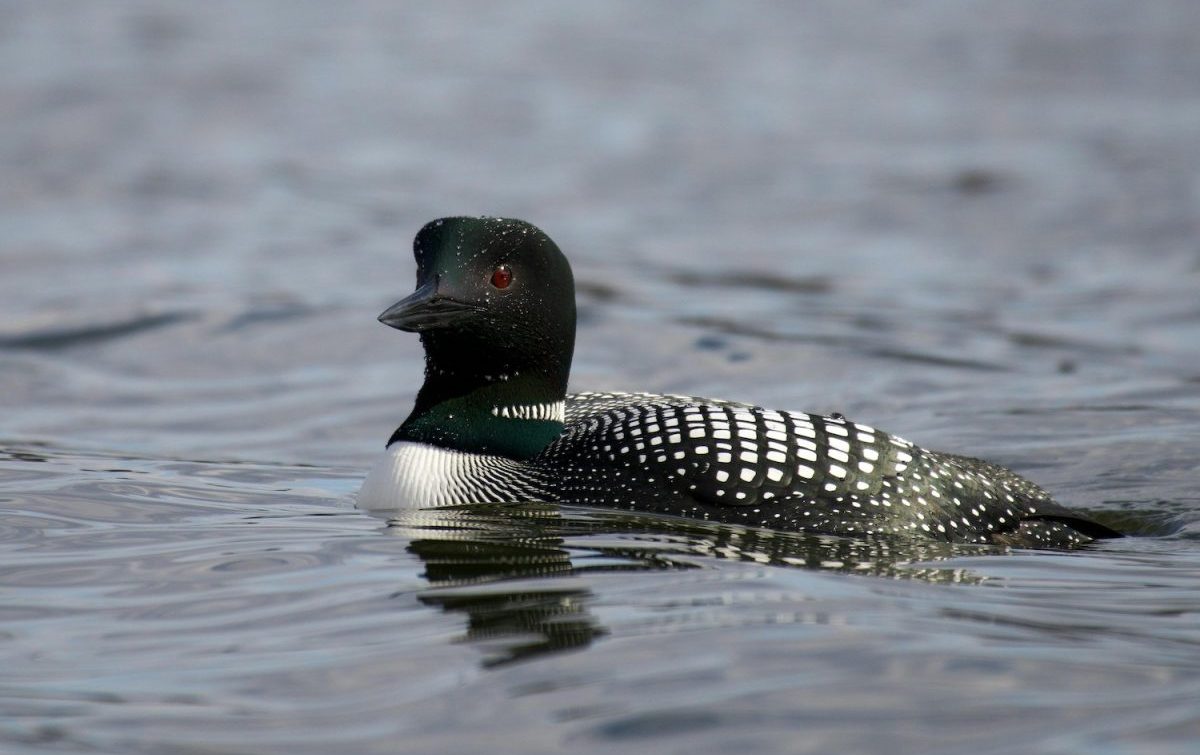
{"points": [[976, 227]]}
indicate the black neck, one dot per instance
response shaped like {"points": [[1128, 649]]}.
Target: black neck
{"points": [[469, 388]]}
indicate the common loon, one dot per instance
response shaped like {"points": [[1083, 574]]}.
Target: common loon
{"points": [[493, 422]]}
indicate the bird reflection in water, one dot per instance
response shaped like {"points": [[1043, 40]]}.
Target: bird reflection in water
{"points": [[520, 572]]}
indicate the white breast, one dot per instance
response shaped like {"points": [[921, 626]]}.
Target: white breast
{"points": [[420, 476]]}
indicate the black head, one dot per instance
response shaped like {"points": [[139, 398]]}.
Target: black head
{"points": [[495, 309]]}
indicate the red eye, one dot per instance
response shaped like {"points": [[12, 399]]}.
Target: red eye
{"points": [[502, 277]]}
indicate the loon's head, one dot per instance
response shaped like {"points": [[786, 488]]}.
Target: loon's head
{"points": [[495, 309]]}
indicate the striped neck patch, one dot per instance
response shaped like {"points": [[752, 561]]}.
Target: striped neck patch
{"points": [[553, 412]]}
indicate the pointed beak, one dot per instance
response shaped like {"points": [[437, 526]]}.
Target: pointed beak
{"points": [[426, 309]]}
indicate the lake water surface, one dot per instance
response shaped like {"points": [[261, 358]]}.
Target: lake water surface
{"points": [[977, 226]]}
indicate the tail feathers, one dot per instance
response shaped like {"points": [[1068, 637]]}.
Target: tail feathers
{"points": [[1080, 524], [1054, 531]]}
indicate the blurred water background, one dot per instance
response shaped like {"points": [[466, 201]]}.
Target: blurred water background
{"points": [[973, 224]]}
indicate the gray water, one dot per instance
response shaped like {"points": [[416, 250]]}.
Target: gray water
{"points": [[976, 225]]}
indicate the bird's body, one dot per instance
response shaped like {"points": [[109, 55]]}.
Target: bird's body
{"points": [[493, 423]]}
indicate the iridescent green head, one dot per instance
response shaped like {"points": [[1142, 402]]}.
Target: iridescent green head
{"points": [[495, 309]]}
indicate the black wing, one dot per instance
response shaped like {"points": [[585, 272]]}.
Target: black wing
{"points": [[788, 470]]}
